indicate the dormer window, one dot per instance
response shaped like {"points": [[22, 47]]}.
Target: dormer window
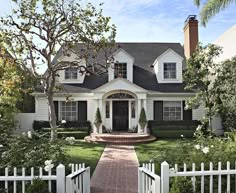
{"points": [[120, 70], [169, 70], [71, 73]]}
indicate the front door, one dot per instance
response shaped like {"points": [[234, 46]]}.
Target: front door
{"points": [[120, 115]]}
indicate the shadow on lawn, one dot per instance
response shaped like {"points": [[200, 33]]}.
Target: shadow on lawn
{"points": [[84, 152]]}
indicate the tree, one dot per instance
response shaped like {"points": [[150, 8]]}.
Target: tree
{"points": [[10, 93], [36, 30], [226, 82], [211, 8], [200, 76]]}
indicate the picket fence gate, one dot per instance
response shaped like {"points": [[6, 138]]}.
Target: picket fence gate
{"points": [[149, 182], [78, 181]]}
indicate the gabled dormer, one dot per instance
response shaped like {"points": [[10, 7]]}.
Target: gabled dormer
{"points": [[71, 75], [169, 67], [122, 67]]}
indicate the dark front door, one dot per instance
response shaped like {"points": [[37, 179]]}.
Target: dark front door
{"points": [[120, 116]]}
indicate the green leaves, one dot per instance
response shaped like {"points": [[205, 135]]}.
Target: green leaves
{"points": [[200, 77], [211, 8], [38, 28], [225, 83]]}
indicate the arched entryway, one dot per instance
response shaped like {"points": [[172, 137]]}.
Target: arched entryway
{"points": [[120, 111]]}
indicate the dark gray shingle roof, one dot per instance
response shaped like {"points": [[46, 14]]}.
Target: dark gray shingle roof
{"points": [[143, 74]]}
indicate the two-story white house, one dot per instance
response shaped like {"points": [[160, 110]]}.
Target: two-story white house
{"points": [[146, 75]]}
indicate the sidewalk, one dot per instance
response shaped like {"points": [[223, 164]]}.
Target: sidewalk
{"points": [[117, 171]]}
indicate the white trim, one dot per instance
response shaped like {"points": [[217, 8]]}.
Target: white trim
{"points": [[164, 53], [70, 79], [168, 94], [171, 100], [59, 110], [163, 73], [119, 79], [126, 53]]}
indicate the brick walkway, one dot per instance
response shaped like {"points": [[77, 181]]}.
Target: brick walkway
{"points": [[117, 171]]}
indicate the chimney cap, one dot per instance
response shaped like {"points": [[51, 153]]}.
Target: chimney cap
{"points": [[191, 18]]}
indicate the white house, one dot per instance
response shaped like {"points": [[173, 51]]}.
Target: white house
{"points": [[146, 75], [226, 41]]}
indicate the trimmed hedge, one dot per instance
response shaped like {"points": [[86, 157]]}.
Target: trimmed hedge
{"points": [[75, 134], [69, 126], [173, 129], [64, 134]]}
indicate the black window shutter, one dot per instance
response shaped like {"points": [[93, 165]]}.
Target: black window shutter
{"points": [[82, 110], [56, 108], [158, 110], [187, 114]]}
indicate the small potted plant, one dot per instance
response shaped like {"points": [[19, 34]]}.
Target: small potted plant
{"points": [[98, 120], [142, 120]]}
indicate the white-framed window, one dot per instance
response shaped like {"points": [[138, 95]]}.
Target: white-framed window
{"points": [[120, 70], [132, 109], [68, 110], [172, 110], [71, 73], [169, 70], [107, 109]]}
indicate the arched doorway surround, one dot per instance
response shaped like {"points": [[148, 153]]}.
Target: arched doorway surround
{"points": [[120, 110]]}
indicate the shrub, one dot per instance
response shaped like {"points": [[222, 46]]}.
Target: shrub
{"points": [[38, 186], [75, 134], [98, 118], [142, 119], [31, 150], [181, 185], [173, 129], [73, 125]]}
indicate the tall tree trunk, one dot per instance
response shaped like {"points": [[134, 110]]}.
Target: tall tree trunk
{"points": [[52, 117], [52, 113]]}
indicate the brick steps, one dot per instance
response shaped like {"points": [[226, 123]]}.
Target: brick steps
{"points": [[120, 138]]}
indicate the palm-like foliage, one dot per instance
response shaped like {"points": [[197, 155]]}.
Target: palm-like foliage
{"points": [[212, 7]]}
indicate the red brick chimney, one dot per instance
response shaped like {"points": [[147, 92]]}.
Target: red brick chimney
{"points": [[190, 35]]}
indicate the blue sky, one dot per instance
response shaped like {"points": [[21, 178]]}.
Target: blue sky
{"points": [[156, 20]]}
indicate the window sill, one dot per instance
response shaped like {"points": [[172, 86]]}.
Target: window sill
{"points": [[166, 79], [69, 79]]}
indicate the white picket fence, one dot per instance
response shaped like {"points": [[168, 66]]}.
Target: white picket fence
{"points": [[64, 184], [162, 184], [148, 181], [79, 179]]}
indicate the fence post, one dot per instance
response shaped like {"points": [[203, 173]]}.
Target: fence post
{"points": [[86, 180], [157, 185], [61, 178], [140, 180], [165, 179]]}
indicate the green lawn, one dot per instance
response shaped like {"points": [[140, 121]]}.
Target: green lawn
{"points": [[147, 152], [84, 152]]}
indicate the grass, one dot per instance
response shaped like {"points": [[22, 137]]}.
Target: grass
{"points": [[147, 152], [84, 152]]}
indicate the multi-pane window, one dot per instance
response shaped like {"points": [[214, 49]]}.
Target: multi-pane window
{"points": [[132, 109], [120, 70], [172, 110], [71, 73], [68, 111], [107, 109], [169, 70]]}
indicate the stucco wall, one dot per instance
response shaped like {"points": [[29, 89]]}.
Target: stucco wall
{"points": [[227, 42]]}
